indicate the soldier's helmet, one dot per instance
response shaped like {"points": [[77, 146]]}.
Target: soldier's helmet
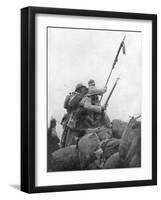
{"points": [[52, 122], [91, 82], [79, 85]]}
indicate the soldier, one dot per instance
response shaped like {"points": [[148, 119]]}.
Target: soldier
{"points": [[52, 142], [94, 92], [84, 114], [81, 117], [88, 105], [92, 104], [96, 115], [70, 119]]}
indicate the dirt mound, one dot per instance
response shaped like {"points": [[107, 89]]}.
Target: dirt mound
{"points": [[119, 147], [65, 159], [110, 147], [112, 162], [118, 128], [87, 145]]}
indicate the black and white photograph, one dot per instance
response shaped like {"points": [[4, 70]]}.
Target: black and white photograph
{"points": [[79, 103], [94, 98], [89, 86]]}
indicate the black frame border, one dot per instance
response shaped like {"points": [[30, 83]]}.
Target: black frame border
{"points": [[28, 98]]}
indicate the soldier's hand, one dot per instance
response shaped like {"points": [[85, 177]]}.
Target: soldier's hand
{"points": [[104, 89], [97, 129], [103, 108]]}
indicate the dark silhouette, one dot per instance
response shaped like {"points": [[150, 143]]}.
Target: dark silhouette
{"points": [[52, 142]]}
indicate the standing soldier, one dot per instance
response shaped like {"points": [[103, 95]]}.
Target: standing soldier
{"points": [[70, 131], [96, 115], [83, 112], [94, 92]]}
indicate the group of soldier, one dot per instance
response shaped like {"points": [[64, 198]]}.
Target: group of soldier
{"points": [[84, 111], [89, 139]]}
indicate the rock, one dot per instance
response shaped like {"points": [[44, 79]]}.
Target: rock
{"points": [[134, 153], [110, 147], [118, 128], [52, 145], [104, 133], [113, 162], [65, 159], [87, 145], [135, 161], [93, 165], [96, 164], [129, 136]]}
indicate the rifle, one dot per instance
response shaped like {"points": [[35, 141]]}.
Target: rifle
{"points": [[122, 45], [109, 96]]}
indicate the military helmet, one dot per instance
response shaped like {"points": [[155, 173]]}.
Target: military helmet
{"points": [[79, 85], [91, 81]]}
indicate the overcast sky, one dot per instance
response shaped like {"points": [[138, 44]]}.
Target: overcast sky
{"points": [[76, 55]]}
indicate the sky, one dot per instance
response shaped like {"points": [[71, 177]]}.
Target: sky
{"points": [[77, 55]]}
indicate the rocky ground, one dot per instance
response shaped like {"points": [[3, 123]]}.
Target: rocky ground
{"points": [[101, 148]]}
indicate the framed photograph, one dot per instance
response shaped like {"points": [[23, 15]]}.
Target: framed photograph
{"points": [[88, 99]]}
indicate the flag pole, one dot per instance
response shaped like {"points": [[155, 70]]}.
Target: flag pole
{"points": [[122, 45]]}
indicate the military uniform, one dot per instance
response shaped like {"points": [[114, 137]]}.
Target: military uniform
{"points": [[87, 113], [95, 115], [100, 118], [86, 103], [93, 89], [69, 122], [94, 93]]}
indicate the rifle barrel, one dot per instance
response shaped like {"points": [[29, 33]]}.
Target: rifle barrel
{"points": [[109, 96]]}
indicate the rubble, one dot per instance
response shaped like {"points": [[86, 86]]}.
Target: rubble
{"points": [[110, 147], [87, 145], [102, 148], [104, 133], [65, 159], [113, 162], [118, 127]]}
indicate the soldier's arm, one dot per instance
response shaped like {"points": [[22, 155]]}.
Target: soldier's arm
{"points": [[98, 91], [88, 106], [101, 91]]}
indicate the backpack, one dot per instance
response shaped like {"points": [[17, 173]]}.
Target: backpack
{"points": [[67, 101], [72, 100]]}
